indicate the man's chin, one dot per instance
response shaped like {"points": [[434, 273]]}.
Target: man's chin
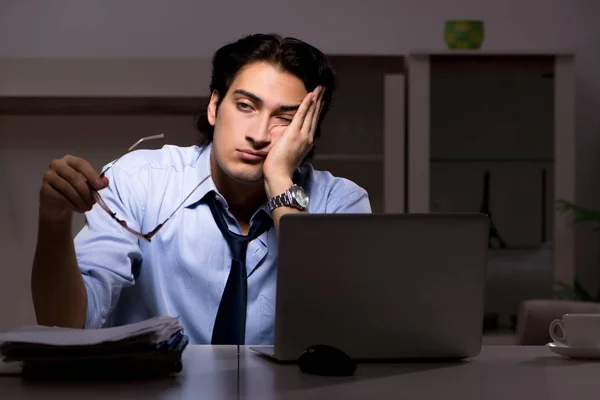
{"points": [[247, 177], [242, 173]]}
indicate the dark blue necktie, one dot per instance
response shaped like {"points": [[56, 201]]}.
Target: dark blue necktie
{"points": [[230, 324]]}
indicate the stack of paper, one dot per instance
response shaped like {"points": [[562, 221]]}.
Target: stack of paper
{"points": [[148, 348]]}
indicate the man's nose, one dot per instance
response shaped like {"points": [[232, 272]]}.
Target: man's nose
{"points": [[259, 133]]}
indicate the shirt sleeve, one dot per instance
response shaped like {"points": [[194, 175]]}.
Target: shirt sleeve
{"points": [[349, 198], [105, 251]]}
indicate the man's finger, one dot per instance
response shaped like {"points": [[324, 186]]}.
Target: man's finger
{"points": [[65, 202], [317, 114], [77, 181], [68, 192], [90, 174], [307, 123], [300, 115]]}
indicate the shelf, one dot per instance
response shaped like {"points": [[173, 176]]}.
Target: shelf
{"points": [[494, 52], [348, 157], [521, 248], [491, 160], [517, 253]]}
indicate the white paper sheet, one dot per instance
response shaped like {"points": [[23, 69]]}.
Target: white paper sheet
{"points": [[158, 329]]}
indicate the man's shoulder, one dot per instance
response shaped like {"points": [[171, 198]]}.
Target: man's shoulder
{"points": [[172, 157], [326, 182], [332, 194]]}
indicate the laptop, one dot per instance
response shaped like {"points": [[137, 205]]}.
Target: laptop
{"points": [[381, 286]]}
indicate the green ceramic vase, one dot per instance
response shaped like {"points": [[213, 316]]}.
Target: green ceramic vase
{"points": [[460, 35]]}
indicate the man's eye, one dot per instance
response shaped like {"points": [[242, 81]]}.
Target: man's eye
{"points": [[244, 106], [285, 120]]}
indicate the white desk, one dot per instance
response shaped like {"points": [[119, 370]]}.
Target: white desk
{"points": [[210, 372]]}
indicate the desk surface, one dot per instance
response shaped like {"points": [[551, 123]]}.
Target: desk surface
{"points": [[499, 372]]}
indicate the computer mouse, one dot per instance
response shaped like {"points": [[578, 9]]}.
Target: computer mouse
{"points": [[322, 359]]}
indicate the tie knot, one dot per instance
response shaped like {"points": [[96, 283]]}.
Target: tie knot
{"points": [[238, 243]]}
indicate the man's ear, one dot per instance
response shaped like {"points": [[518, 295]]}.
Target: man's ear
{"points": [[212, 108]]}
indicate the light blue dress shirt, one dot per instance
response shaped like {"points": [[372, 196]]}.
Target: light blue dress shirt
{"points": [[182, 272]]}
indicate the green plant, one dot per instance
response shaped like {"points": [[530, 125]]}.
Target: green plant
{"points": [[579, 215], [576, 292]]}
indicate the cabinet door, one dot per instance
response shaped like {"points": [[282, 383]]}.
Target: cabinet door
{"points": [[394, 143], [418, 134]]}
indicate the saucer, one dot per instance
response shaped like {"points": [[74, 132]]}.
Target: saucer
{"points": [[575, 353]]}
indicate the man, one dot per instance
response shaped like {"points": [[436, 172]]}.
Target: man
{"points": [[268, 98]]}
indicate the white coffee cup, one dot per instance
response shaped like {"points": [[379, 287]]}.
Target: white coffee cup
{"points": [[577, 330]]}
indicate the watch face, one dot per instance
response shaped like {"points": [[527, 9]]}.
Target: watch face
{"points": [[300, 197]]}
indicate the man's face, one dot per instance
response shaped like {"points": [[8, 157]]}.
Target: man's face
{"points": [[259, 105]]}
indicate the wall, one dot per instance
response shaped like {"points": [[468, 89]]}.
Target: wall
{"points": [[64, 29], [25, 153], [184, 28]]}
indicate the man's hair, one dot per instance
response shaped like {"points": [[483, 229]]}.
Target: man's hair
{"points": [[291, 55]]}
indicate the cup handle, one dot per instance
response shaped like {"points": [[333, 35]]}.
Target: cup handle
{"points": [[557, 323]]}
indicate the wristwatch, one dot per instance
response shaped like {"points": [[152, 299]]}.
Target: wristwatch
{"points": [[293, 197]]}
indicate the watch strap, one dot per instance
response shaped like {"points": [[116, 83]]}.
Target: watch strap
{"points": [[283, 199]]}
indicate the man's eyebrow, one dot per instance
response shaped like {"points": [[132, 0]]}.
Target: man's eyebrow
{"points": [[289, 108], [248, 94], [257, 99]]}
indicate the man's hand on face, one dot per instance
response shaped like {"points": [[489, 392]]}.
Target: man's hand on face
{"points": [[295, 143]]}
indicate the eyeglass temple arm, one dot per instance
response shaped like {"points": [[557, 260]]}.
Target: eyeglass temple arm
{"points": [[149, 235], [133, 146]]}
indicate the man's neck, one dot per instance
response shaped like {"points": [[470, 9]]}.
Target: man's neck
{"points": [[243, 199]]}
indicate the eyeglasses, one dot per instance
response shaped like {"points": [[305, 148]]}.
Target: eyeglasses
{"points": [[146, 236]]}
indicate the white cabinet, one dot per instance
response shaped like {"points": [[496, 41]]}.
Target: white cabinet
{"points": [[511, 116]]}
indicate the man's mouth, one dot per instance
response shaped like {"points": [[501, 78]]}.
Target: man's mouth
{"points": [[253, 156]]}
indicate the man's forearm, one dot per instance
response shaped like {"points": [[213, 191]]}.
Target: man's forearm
{"points": [[58, 291], [281, 211]]}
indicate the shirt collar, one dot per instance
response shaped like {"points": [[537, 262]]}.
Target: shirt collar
{"points": [[201, 188], [201, 185]]}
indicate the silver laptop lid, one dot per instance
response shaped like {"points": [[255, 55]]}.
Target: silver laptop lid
{"points": [[381, 286]]}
